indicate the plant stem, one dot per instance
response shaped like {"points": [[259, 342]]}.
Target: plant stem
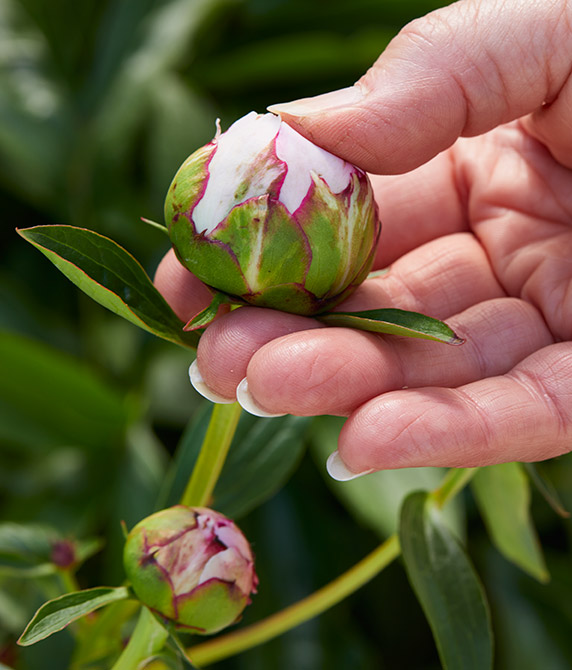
{"points": [[453, 482], [222, 426], [148, 638], [329, 595]]}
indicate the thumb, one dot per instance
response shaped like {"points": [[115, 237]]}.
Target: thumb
{"points": [[461, 70]]}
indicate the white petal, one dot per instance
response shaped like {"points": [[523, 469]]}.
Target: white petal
{"points": [[237, 149], [303, 157]]}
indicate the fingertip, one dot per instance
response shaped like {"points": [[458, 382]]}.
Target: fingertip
{"points": [[339, 471], [203, 389], [249, 404]]}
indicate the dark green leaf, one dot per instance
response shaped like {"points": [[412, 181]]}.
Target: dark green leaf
{"points": [[394, 322], [546, 488], [111, 276], [446, 585], [262, 457], [502, 493], [56, 614], [26, 546], [48, 399]]}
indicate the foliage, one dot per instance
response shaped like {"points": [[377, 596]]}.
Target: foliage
{"points": [[100, 102]]}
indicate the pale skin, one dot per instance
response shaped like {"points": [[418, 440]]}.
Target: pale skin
{"points": [[467, 120]]}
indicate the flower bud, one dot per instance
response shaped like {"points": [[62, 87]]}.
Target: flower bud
{"points": [[191, 565], [262, 214]]}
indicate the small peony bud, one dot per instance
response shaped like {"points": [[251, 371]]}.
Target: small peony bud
{"points": [[191, 565], [262, 214]]}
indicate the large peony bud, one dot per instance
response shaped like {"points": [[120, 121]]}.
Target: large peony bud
{"points": [[191, 565], [263, 214]]}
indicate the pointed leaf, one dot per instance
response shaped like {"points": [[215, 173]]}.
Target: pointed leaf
{"points": [[502, 493], [394, 322], [446, 585], [111, 276], [56, 614]]}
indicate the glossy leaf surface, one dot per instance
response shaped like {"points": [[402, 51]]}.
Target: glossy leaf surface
{"points": [[446, 585], [58, 613], [111, 276], [394, 322]]}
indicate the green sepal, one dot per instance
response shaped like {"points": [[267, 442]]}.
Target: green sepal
{"points": [[269, 246], [208, 314], [394, 322]]}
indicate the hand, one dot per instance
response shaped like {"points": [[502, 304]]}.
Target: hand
{"points": [[479, 234]]}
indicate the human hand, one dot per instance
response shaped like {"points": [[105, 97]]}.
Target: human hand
{"points": [[479, 234]]}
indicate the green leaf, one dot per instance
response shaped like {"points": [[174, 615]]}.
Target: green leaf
{"points": [[111, 276], [375, 500], [56, 614], [502, 493], [263, 455], [25, 547], [394, 322], [446, 585], [49, 399], [546, 488]]}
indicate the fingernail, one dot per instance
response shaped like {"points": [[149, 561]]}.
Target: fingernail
{"points": [[200, 387], [344, 97], [246, 401], [338, 470]]}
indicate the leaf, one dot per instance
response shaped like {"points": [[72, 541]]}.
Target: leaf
{"points": [[394, 322], [446, 585], [263, 455], [111, 276], [546, 488], [48, 399], [375, 500], [56, 614], [26, 548], [502, 493]]}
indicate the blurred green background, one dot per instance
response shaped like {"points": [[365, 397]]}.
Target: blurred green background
{"points": [[100, 101]]}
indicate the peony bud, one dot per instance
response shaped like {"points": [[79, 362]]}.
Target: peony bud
{"points": [[262, 214], [191, 565]]}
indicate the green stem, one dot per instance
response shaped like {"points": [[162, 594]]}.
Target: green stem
{"points": [[147, 639], [329, 595], [453, 482], [222, 426]]}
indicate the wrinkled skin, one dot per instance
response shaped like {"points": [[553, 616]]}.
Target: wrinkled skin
{"points": [[480, 235]]}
